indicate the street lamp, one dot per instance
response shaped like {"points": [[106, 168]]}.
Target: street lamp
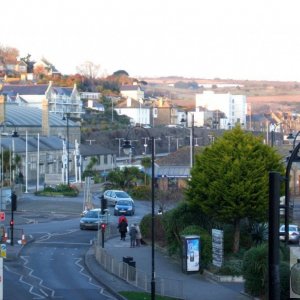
{"points": [[192, 142], [127, 150], [66, 117]]}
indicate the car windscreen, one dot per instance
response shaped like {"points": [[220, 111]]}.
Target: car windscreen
{"points": [[124, 202], [122, 195], [92, 214], [293, 228]]}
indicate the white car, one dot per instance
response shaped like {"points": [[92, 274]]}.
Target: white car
{"points": [[294, 234], [113, 196]]}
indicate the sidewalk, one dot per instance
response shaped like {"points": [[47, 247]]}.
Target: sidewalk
{"points": [[165, 267]]}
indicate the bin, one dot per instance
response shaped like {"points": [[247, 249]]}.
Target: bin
{"points": [[127, 259]]}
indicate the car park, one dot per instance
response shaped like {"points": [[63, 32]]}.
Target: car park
{"points": [[91, 219], [294, 234], [113, 196], [124, 207]]}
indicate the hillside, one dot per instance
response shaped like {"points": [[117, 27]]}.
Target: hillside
{"points": [[264, 96]]}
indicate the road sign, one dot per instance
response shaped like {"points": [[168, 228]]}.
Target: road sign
{"points": [[2, 216], [3, 250]]}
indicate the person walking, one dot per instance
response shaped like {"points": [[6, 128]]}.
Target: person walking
{"points": [[122, 217], [132, 233], [123, 229], [138, 235]]}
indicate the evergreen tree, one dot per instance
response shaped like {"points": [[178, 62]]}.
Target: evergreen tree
{"points": [[230, 179]]}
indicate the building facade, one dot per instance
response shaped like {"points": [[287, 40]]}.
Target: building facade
{"points": [[232, 108]]}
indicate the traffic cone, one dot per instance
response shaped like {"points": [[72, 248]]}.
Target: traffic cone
{"points": [[23, 241], [4, 239]]}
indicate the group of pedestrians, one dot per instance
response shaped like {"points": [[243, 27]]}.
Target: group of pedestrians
{"points": [[134, 232]]}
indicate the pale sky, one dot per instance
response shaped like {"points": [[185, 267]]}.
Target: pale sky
{"points": [[237, 39]]}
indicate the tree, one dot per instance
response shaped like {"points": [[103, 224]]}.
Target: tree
{"points": [[230, 179], [8, 54], [120, 73], [89, 70], [146, 163], [125, 178]]}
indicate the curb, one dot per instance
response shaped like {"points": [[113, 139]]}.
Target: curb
{"points": [[90, 261]]}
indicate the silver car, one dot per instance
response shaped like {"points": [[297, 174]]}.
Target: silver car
{"points": [[113, 196], [294, 234]]}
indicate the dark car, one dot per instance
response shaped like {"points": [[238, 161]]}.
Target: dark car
{"points": [[91, 219], [125, 207]]}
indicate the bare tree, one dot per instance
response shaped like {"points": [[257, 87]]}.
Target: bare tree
{"points": [[89, 70]]}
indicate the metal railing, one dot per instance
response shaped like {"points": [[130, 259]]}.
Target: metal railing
{"points": [[131, 274]]}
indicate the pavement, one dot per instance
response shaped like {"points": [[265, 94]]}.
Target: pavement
{"points": [[195, 286]]}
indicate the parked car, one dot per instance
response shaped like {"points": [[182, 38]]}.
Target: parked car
{"points": [[113, 196], [125, 207], [294, 234], [91, 219]]}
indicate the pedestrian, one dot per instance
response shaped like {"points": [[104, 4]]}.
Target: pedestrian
{"points": [[138, 235], [122, 217], [132, 233], [123, 229]]}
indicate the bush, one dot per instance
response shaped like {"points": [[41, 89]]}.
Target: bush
{"points": [[141, 192], [61, 189], [205, 244], [255, 266], [233, 267], [284, 270], [145, 226]]}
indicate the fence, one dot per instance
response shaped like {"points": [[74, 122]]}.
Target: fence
{"points": [[132, 275]]}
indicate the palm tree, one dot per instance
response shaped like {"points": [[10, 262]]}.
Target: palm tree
{"points": [[146, 163]]}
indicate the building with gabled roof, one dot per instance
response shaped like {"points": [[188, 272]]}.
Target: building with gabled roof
{"points": [[133, 91], [60, 100], [135, 110]]}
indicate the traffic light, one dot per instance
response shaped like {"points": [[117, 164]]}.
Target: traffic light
{"points": [[12, 222], [13, 201], [103, 226], [103, 204]]}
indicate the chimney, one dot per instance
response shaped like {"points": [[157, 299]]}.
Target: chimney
{"points": [[45, 118]]}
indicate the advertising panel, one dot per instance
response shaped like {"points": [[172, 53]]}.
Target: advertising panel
{"points": [[193, 254], [217, 247]]}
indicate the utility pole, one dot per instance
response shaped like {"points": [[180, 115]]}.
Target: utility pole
{"points": [[169, 142]]}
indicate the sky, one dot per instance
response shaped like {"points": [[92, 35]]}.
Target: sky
{"points": [[232, 39]]}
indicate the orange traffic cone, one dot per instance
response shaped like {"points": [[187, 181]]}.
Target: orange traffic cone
{"points": [[23, 241], [4, 239]]}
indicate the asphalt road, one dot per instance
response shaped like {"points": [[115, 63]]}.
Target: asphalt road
{"points": [[52, 266]]}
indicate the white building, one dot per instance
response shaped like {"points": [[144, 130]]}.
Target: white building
{"points": [[232, 107], [133, 91], [135, 110]]}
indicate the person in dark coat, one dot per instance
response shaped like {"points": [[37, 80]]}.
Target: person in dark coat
{"points": [[123, 229]]}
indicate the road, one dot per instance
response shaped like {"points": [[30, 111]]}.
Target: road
{"points": [[52, 266]]}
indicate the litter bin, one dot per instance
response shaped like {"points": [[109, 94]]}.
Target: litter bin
{"points": [[127, 259]]}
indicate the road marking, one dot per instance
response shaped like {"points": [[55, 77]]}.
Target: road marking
{"points": [[40, 280], [61, 243]]}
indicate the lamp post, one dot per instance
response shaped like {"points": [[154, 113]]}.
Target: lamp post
{"points": [[192, 142], [66, 117], [127, 149]]}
